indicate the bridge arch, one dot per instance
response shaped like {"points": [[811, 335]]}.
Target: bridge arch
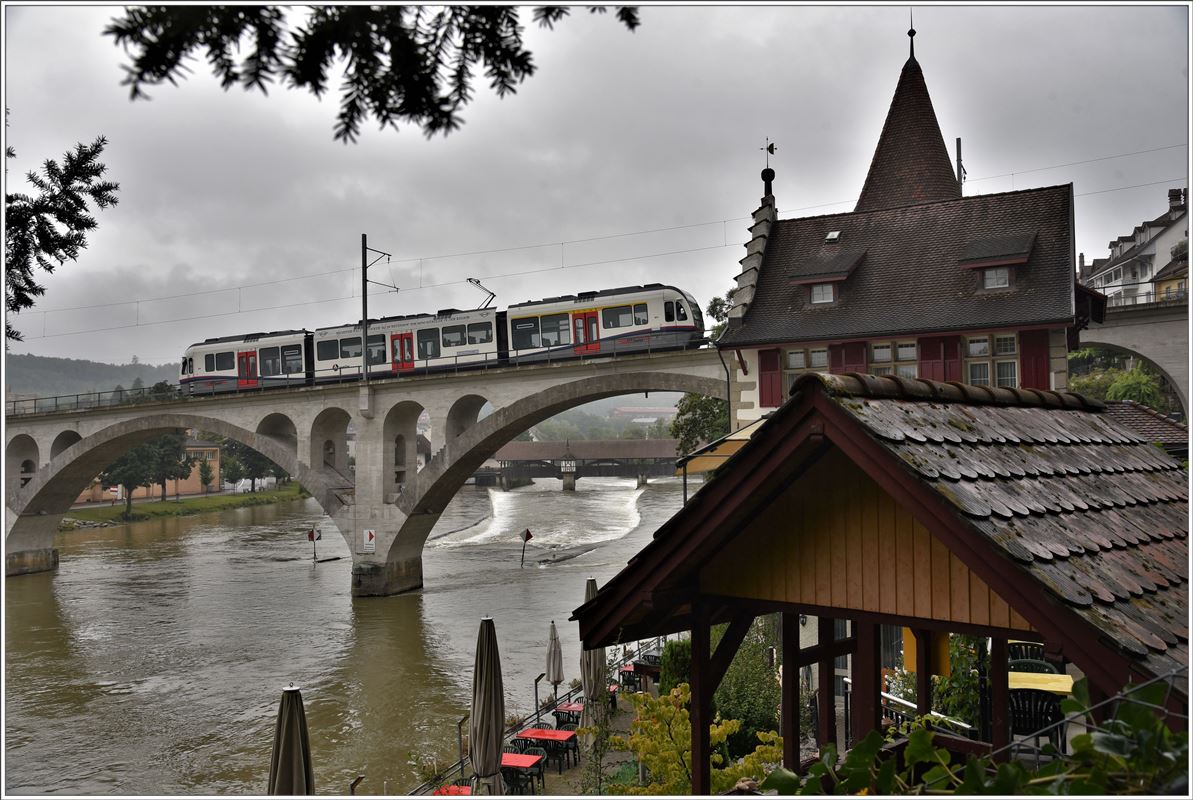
{"points": [[280, 428], [463, 414], [63, 441], [21, 457], [462, 456], [34, 510], [329, 439], [399, 434], [1180, 390]]}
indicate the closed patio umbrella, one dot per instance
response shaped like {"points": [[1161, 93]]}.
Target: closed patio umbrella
{"points": [[554, 659], [592, 673], [487, 722], [290, 767]]}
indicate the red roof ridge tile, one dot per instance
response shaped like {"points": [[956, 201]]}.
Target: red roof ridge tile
{"points": [[1149, 410], [853, 384]]}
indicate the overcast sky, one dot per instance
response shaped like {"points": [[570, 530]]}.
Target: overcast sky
{"points": [[618, 133]]}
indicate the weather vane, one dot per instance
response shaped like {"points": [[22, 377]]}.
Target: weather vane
{"points": [[770, 148]]}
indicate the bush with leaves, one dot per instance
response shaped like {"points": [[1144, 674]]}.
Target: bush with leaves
{"points": [[1133, 752], [750, 691], [661, 739], [676, 665]]}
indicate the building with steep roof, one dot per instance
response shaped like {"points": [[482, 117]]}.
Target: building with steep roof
{"points": [[916, 281], [1030, 515]]}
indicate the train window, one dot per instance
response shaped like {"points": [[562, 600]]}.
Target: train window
{"points": [[377, 349], [526, 333], [350, 348], [428, 343], [209, 362], [182, 369], [669, 311], [617, 317], [453, 335], [556, 330], [271, 361], [190, 366], [680, 312], [225, 361], [328, 349], [292, 359], [480, 333], [640, 315]]}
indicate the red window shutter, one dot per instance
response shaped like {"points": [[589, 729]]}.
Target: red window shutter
{"points": [[1033, 360], [770, 379], [849, 357], [940, 358]]}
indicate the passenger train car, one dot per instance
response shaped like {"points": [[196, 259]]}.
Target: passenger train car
{"points": [[614, 321]]}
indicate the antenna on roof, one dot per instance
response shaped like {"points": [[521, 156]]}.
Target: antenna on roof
{"points": [[490, 294], [768, 174], [911, 29]]}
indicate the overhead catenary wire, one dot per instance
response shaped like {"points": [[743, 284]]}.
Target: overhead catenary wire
{"points": [[424, 286]]}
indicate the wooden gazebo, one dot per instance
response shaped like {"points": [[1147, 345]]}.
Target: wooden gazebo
{"points": [[938, 507]]}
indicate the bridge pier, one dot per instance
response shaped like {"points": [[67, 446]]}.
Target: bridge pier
{"points": [[26, 540], [641, 479]]}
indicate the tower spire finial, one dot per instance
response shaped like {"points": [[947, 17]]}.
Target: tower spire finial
{"points": [[911, 30]]}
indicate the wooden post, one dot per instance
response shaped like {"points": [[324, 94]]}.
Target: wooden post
{"points": [[1000, 702], [867, 669], [699, 708], [923, 671], [826, 728], [790, 699]]}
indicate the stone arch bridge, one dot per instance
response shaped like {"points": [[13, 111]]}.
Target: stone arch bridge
{"points": [[1157, 330], [51, 457]]}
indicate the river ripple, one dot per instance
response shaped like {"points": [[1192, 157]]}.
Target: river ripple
{"points": [[151, 662]]}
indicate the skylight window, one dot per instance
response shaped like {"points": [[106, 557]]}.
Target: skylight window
{"points": [[833, 237]]}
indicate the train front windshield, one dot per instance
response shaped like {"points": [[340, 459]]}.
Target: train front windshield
{"points": [[697, 317]]}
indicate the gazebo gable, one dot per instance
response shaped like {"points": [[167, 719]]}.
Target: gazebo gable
{"points": [[835, 542]]}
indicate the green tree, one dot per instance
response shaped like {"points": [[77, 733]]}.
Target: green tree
{"points": [[750, 690], [1137, 385], [138, 384], [698, 420], [718, 310], [206, 474], [130, 471], [676, 665], [232, 468], [49, 228], [169, 460], [408, 64], [253, 465]]}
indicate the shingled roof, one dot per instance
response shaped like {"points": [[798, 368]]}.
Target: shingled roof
{"points": [[911, 163], [1078, 522], [1151, 425], [917, 254]]}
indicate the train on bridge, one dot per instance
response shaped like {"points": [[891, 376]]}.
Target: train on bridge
{"points": [[629, 319]]}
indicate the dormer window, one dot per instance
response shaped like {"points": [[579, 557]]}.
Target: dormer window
{"points": [[996, 278], [833, 237], [822, 293]]}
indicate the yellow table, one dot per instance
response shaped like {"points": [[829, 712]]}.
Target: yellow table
{"points": [[1057, 684]]}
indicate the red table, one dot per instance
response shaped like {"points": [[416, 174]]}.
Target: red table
{"points": [[453, 790], [547, 735], [519, 760], [570, 708]]}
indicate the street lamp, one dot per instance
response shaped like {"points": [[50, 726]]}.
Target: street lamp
{"points": [[538, 712]]}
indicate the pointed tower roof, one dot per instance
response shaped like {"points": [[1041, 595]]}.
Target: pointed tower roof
{"points": [[911, 163]]}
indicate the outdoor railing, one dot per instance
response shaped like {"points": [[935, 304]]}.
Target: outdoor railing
{"points": [[459, 767], [900, 712], [378, 373], [1147, 298]]}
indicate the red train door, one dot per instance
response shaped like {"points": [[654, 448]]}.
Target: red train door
{"points": [[403, 350], [246, 363], [586, 332]]}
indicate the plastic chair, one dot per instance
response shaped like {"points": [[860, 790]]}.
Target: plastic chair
{"points": [[512, 747], [571, 747], [516, 780], [1034, 709], [1031, 665], [1020, 650], [539, 770]]}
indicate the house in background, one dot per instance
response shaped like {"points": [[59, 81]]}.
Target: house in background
{"points": [[916, 281], [1142, 267], [196, 449]]}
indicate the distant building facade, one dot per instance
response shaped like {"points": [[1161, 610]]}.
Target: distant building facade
{"points": [[917, 281], [195, 449], [1142, 266]]}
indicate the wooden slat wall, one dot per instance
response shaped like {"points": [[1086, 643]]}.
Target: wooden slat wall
{"points": [[836, 539]]}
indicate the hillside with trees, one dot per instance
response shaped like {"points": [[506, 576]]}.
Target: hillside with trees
{"points": [[40, 376]]}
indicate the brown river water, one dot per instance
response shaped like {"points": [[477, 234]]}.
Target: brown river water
{"points": [[152, 661]]}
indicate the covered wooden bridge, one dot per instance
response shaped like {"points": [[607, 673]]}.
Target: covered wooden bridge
{"points": [[939, 507]]}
